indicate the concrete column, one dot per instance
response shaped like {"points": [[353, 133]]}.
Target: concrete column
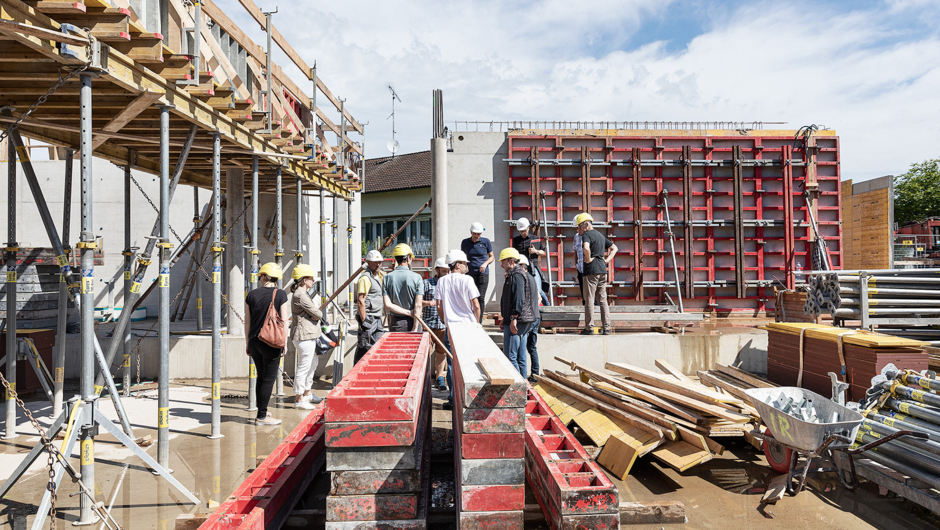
{"points": [[234, 254], [439, 244]]}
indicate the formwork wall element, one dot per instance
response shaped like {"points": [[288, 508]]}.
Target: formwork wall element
{"points": [[868, 229], [725, 262]]}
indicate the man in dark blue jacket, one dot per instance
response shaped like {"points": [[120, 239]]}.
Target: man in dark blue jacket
{"points": [[518, 309]]}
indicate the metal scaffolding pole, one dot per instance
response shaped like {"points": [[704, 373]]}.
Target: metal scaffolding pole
{"points": [[299, 253], [217, 286], [163, 286], [58, 363], [253, 278], [128, 275], [269, 106], [323, 293], [10, 424], [335, 227], [87, 308], [278, 257], [197, 277], [349, 250]]}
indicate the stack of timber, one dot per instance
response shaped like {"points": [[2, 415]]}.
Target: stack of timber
{"points": [[803, 354], [377, 436], [630, 418], [571, 489], [489, 431], [789, 307]]}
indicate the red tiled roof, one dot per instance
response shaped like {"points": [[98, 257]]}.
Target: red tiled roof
{"points": [[401, 172]]}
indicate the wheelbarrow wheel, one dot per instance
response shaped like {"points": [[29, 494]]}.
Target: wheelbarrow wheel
{"points": [[778, 455]]}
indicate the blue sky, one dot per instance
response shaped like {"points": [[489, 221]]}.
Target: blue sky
{"points": [[868, 69]]}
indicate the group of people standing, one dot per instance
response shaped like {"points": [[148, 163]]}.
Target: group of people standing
{"points": [[455, 293]]}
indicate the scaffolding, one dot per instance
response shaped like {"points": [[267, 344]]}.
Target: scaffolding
{"points": [[104, 81]]}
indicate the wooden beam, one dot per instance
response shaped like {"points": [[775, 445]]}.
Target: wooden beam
{"points": [[748, 378], [672, 370], [336, 130], [650, 378], [495, 372], [140, 104], [18, 17]]}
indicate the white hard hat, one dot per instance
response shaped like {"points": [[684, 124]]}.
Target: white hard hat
{"points": [[441, 263], [522, 223], [524, 260], [374, 255], [453, 256], [476, 228]]}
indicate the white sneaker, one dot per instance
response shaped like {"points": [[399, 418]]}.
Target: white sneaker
{"points": [[312, 398], [270, 420], [302, 404]]}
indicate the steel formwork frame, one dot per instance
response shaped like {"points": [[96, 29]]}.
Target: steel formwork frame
{"points": [[745, 193]]}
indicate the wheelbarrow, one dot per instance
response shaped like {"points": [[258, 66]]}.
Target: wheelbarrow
{"points": [[802, 422]]}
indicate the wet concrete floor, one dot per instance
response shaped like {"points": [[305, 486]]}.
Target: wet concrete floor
{"points": [[723, 493]]}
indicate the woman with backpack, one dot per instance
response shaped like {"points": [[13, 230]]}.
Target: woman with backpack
{"points": [[304, 332], [266, 313]]}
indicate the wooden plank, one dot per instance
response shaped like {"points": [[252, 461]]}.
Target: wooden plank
{"points": [[637, 393], [495, 372], [654, 512], [723, 384], [695, 404], [645, 376], [775, 490], [622, 450], [683, 454], [18, 15], [141, 103], [672, 370], [748, 378]]}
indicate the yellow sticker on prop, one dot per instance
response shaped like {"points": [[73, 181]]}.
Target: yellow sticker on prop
{"points": [[164, 281], [135, 287], [889, 422], [917, 395], [350, 241], [252, 371], [11, 391], [254, 277], [216, 484], [199, 303], [904, 407], [62, 260], [59, 375], [254, 449], [216, 388], [163, 417], [23, 153], [88, 285], [62, 278], [88, 451], [99, 389], [127, 360], [127, 276], [11, 276], [215, 277]]}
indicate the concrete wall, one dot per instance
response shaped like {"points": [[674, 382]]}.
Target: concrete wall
{"points": [[478, 190], [394, 203]]}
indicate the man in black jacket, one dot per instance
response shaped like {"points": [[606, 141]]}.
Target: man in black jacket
{"points": [[518, 309]]}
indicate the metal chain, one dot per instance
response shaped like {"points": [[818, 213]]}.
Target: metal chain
{"points": [[50, 462], [154, 206]]}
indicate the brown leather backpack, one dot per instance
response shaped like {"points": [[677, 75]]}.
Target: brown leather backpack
{"points": [[272, 332]]}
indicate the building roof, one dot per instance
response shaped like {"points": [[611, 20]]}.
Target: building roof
{"points": [[402, 172]]}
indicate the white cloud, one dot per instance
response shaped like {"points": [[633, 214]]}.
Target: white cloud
{"points": [[869, 74]]}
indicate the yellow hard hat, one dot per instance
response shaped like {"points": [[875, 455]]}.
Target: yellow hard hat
{"points": [[509, 253], [271, 270], [302, 270], [582, 217], [402, 249]]}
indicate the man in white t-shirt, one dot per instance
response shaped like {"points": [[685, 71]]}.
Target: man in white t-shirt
{"points": [[457, 299]]}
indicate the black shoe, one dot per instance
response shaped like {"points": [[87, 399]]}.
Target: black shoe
{"points": [[605, 332], [587, 332], [447, 406], [532, 379]]}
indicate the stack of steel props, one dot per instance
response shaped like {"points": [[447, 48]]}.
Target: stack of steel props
{"points": [[377, 436], [903, 400], [569, 486], [905, 296], [489, 432], [266, 497]]}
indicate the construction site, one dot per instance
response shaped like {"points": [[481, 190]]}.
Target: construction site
{"points": [[764, 351]]}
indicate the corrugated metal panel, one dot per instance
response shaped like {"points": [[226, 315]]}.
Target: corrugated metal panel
{"points": [[621, 181]]}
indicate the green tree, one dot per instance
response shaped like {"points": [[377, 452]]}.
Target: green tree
{"points": [[917, 192]]}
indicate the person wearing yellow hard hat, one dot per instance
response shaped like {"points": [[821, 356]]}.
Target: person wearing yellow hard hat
{"points": [[266, 356], [304, 332], [479, 251], [370, 304], [518, 308], [404, 292], [598, 252], [579, 248]]}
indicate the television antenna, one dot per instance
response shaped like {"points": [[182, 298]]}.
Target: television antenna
{"points": [[393, 145]]}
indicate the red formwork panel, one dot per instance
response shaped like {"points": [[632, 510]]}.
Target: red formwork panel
{"points": [[386, 385], [569, 486], [725, 190], [266, 497]]}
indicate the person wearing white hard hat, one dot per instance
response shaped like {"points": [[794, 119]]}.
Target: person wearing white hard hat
{"points": [[431, 317], [370, 304], [479, 251], [458, 300]]}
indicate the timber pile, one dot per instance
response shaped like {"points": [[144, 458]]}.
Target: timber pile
{"points": [[803, 354], [788, 307], [377, 436], [489, 432], [637, 412]]}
